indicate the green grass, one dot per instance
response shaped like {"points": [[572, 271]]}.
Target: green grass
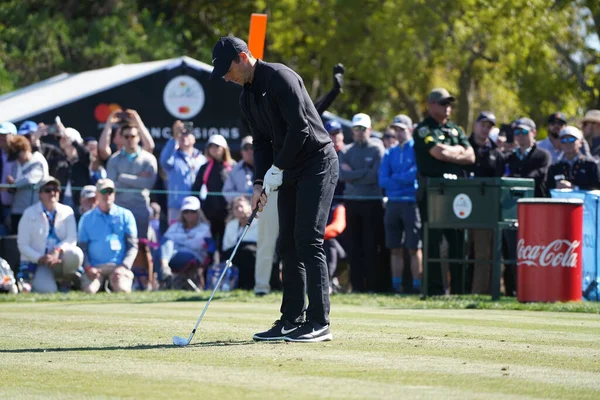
{"points": [[119, 346]]}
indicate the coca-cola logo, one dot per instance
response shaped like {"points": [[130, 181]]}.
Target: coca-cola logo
{"points": [[559, 253]]}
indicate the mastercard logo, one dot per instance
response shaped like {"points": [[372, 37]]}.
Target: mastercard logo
{"points": [[102, 111]]}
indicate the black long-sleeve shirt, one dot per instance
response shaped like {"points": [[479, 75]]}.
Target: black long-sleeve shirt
{"points": [[533, 165], [489, 160], [584, 173], [286, 128]]}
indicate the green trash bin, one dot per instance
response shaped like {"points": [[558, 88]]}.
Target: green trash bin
{"points": [[477, 203]]}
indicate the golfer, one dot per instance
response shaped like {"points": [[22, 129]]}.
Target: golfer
{"points": [[294, 155]]}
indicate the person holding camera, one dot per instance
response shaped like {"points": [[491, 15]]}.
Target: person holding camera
{"points": [[115, 121], [181, 161], [77, 173]]}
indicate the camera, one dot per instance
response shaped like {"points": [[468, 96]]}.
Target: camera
{"points": [[123, 116], [52, 129], [188, 126], [508, 131]]}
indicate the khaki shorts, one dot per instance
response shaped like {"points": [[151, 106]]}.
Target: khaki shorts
{"points": [[119, 278]]}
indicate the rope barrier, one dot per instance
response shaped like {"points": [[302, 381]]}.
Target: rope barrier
{"points": [[190, 193]]}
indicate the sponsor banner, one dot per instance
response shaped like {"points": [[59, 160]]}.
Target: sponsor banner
{"points": [[591, 245]]}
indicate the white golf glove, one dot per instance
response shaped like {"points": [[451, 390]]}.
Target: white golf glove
{"points": [[273, 179]]}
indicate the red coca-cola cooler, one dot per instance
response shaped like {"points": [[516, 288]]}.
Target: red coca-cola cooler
{"points": [[549, 249]]}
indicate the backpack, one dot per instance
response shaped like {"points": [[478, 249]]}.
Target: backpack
{"points": [[8, 284]]}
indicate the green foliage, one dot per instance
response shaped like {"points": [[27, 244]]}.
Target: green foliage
{"points": [[514, 57]]}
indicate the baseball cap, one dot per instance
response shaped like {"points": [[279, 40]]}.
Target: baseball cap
{"points": [[8, 128], [190, 203], [73, 135], [218, 140], [246, 140], [89, 139], [361, 120], [558, 116], [105, 184], [48, 180], [88, 192], [592, 116], [439, 94], [571, 131], [332, 126], [28, 127], [525, 123], [224, 52], [487, 116], [402, 121]]}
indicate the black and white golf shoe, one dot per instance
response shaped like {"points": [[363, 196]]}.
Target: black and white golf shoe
{"points": [[310, 332], [278, 331]]}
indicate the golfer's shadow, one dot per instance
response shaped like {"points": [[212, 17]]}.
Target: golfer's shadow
{"points": [[218, 343]]}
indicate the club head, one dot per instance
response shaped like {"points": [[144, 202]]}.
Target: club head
{"points": [[179, 341]]}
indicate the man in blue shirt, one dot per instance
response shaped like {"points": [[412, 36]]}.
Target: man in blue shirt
{"points": [[398, 176], [109, 240], [181, 161]]}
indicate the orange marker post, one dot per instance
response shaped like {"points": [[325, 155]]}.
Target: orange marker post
{"points": [[258, 33]]}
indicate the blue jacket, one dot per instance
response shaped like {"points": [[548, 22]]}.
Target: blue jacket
{"points": [[181, 172], [398, 173]]}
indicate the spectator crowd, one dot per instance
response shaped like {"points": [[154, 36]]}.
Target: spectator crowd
{"points": [[86, 214]]}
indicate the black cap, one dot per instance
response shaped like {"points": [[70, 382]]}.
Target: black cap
{"points": [[487, 116], [558, 116], [224, 52]]}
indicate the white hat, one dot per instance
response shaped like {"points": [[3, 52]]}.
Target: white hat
{"points": [[190, 203], [88, 192], [592, 116], [218, 140], [361, 120], [571, 131], [73, 135], [8, 128]]}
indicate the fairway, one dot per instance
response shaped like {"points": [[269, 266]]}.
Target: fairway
{"points": [[122, 348]]}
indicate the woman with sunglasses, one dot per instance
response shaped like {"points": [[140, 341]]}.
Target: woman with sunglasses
{"points": [[47, 243], [210, 179], [574, 170]]}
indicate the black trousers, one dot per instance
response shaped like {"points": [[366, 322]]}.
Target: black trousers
{"points": [[334, 252], [364, 220], [304, 202], [245, 259]]}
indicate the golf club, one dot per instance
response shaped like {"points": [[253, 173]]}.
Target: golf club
{"points": [[180, 341]]}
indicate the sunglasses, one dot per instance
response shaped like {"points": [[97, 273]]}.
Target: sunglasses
{"points": [[51, 190], [445, 103], [523, 132], [556, 122], [359, 128], [107, 191], [389, 136], [248, 147], [568, 139]]}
